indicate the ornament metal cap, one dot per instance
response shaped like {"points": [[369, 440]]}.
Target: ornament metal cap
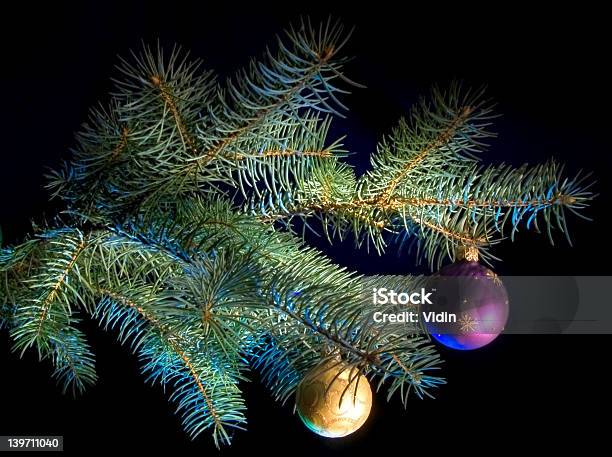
{"points": [[469, 253]]}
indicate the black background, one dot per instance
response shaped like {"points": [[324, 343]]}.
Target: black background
{"points": [[548, 71]]}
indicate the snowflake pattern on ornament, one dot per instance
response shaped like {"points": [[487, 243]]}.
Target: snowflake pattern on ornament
{"points": [[467, 323]]}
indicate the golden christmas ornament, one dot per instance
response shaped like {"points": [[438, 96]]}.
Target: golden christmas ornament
{"points": [[333, 400]]}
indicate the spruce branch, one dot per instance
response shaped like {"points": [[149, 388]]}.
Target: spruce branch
{"points": [[41, 311], [171, 287], [49, 306], [314, 306], [204, 287], [206, 391], [184, 133], [444, 132], [299, 77], [427, 188], [73, 360]]}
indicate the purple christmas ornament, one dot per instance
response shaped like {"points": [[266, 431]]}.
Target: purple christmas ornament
{"points": [[469, 307]]}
